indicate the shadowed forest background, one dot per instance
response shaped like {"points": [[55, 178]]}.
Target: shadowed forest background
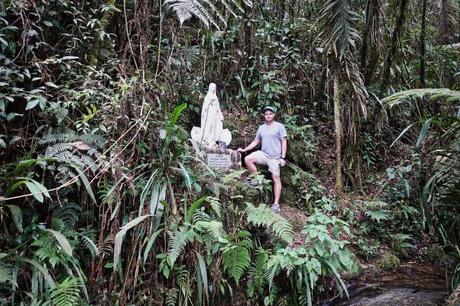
{"points": [[104, 200]]}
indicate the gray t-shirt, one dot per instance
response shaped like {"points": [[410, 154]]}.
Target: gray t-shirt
{"points": [[270, 136]]}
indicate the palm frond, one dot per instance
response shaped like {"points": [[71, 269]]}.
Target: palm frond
{"points": [[339, 27], [448, 19]]}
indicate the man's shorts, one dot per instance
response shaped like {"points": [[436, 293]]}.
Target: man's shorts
{"points": [[262, 159]]}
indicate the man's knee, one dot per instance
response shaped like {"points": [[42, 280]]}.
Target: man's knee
{"points": [[249, 159], [276, 178]]}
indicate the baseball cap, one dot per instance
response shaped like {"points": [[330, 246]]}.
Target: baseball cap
{"points": [[269, 108]]}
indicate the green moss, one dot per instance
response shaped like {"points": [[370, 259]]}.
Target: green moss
{"points": [[389, 262], [435, 252]]}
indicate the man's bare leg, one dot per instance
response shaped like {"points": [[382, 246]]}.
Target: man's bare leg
{"points": [[250, 164], [277, 188]]}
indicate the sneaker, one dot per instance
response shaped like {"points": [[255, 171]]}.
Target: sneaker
{"points": [[276, 208]]}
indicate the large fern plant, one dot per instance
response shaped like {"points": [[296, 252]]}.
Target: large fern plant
{"points": [[209, 12], [74, 153], [263, 216]]}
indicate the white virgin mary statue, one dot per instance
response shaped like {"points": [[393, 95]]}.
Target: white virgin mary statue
{"points": [[211, 130]]}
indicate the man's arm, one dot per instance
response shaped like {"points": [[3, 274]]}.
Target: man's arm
{"points": [[283, 151], [251, 146], [283, 147]]}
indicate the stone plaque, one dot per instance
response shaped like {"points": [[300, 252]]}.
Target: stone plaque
{"points": [[219, 161]]}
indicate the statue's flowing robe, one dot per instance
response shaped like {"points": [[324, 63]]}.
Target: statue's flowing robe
{"points": [[211, 118]]}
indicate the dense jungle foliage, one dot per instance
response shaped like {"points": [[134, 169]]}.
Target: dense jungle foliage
{"points": [[105, 201]]}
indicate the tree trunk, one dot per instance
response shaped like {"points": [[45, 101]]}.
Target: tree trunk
{"points": [[338, 138], [104, 23], [367, 28], [372, 41], [422, 46], [397, 31]]}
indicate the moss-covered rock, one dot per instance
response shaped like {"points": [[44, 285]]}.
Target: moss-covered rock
{"points": [[435, 252], [389, 261]]}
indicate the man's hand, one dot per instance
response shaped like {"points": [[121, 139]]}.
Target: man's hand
{"points": [[241, 150], [282, 162]]}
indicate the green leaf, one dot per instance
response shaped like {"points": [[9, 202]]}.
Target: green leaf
{"points": [[85, 182], [423, 132], [66, 293], [119, 238], [203, 272], [32, 103], [4, 42], [51, 84], [150, 243], [195, 205], [49, 280], [175, 114], [377, 215], [402, 134], [62, 240], [17, 216], [34, 190], [337, 277]]}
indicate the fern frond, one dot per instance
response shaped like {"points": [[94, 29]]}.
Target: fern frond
{"points": [[409, 96], [66, 293], [183, 283], [214, 228], [256, 274], [6, 274], [55, 149], [229, 8], [182, 276], [263, 216], [69, 214], [47, 249], [93, 140], [56, 137], [215, 205], [106, 248], [171, 297], [200, 216], [204, 10], [236, 260], [185, 9], [89, 244], [179, 241]]}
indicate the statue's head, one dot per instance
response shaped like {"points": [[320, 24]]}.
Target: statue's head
{"points": [[212, 88]]}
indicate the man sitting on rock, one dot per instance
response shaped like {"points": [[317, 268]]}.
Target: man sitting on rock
{"points": [[273, 137]]}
